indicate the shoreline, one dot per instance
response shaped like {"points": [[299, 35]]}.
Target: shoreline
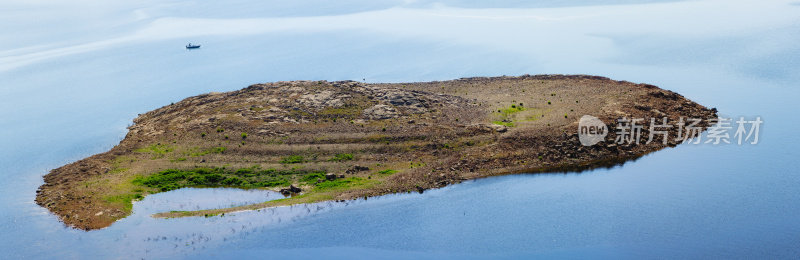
{"points": [[275, 204], [334, 141]]}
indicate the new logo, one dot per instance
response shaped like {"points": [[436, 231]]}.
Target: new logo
{"points": [[591, 130]]}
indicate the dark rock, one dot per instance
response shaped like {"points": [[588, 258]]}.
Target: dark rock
{"points": [[291, 190], [357, 168], [330, 176], [294, 189]]}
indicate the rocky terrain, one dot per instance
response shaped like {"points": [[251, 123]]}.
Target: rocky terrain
{"points": [[319, 140]]}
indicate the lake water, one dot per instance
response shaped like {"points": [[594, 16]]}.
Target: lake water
{"points": [[73, 74]]}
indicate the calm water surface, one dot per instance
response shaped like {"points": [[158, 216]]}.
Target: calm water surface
{"points": [[73, 74]]}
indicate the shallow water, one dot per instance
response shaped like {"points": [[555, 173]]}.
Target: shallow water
{"points": [[201, 198], [74, 73]]}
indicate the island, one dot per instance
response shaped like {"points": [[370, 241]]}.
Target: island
{"points": [[334, 141]]}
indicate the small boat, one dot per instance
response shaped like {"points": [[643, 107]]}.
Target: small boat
{"points": [[190, 46]]}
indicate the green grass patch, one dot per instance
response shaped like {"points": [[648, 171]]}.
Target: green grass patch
{"points": [[341, 157], [292, 159], [313, 177], [507, 115], [511, 110], [126, 200], [253, 177], [157, 150], [213, 150], [341, 183], [387, 172]]}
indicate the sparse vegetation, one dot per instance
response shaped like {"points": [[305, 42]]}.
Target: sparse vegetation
{"points": [[292, 159], [157, 150], [341, 157], [117, 170], [213, 150], [387, 172], [508, 124]]}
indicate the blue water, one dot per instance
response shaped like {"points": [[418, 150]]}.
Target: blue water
{"points": [[73, 74]]}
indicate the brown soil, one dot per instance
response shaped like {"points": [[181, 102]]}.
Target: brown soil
{"points": [[432, 133]]}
